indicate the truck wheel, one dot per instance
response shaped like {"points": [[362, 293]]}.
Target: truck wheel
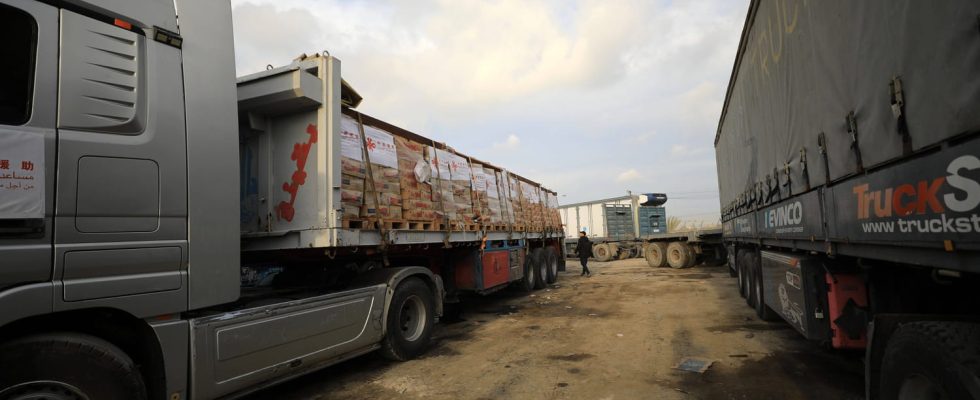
{"points": [[740, 273], [679, 255], [656, 254], [602, 252], [761, 308], [932, 360], [67, 366], [551, 258], [411, 315], [530, 271], [732, 272], [540, 269], [749, 275]]}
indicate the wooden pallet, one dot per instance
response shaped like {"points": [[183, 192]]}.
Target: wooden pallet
{"points": [[356, 223], [422, 225]]}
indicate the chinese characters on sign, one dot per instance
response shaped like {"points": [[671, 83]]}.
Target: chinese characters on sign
{"points": [[21, 175]]}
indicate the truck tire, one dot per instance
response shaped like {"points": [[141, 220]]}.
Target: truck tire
{"points": [[931, 359], [656, 254], [530, 272], [67, 365], [551, 258], [411, 316], [749, 275], [602, 252], [762, 309], [732, 272], [679, 255], [541, 268], [740, 273]]}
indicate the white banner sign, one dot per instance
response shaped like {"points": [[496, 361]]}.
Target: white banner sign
{"points": [[21, 175], [350, 139], [381, 147]]}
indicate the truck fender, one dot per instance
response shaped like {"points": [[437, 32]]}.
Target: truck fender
{"points": [[391, 277]]}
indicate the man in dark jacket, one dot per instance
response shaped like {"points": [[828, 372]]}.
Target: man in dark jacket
{"points": [[584, 250]]}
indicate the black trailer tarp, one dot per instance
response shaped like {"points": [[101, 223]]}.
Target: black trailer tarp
{"points": [[805, 66]]}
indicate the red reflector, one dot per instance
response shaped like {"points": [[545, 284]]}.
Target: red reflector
{"points": [[123, 24]]}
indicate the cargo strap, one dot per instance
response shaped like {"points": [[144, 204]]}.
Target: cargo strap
{"points": [[442, 200], [377, 197]]}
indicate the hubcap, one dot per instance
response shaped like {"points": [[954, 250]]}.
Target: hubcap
{"points": [[43, 390], [675, 256], [413, 316]]}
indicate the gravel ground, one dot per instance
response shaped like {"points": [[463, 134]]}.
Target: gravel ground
{"points": [[616, 335]]}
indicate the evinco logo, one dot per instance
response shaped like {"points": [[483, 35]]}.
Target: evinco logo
{"points": [[789, 214]]}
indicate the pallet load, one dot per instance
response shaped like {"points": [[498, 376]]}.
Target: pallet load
{"points": [[516, 201], [506, 207], [442, 185], [493, 197], [418, 203], [422, 187], [382, 163]]}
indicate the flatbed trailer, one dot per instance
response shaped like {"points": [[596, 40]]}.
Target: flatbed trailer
{"points": [[848, 174]]}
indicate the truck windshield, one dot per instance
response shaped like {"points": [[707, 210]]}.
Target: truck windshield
{"points": [[19, 31]]}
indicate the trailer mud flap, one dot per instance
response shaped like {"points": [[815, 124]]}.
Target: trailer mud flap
{"points": [[793, 289]]}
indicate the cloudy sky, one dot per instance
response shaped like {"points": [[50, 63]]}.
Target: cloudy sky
{"points": [[591, 98]]}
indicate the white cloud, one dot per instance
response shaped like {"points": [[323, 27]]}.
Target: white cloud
{"points": [[512, 143], [628, 176]]}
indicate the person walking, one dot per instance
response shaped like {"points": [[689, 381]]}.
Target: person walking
{"points": [[584, 250]]}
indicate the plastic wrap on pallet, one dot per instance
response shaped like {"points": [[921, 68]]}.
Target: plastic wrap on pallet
{"points": [[446, 205], [493, 196]]}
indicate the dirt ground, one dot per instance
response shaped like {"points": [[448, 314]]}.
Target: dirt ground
{"points": [[615, 335]]}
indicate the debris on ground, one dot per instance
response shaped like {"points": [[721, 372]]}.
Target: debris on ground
{"points": [[694, 364]]}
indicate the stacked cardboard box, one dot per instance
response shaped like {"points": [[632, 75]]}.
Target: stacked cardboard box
{"points": [[386, 198], [460, 192], [531, 203], [414, 178]]}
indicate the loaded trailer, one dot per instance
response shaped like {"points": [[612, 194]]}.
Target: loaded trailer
{"points": [[619, 233], [168, 232], [848, 168]]}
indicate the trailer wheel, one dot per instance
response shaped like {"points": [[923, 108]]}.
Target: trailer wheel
{"points": [[530, 271], [740, 273], [602, 252], [679, 255], [748, 274], [411, 315], [67, 366], [656, 254], [932, 360], [540, 268], [551, 258], [762, 309], [732, 272]]}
